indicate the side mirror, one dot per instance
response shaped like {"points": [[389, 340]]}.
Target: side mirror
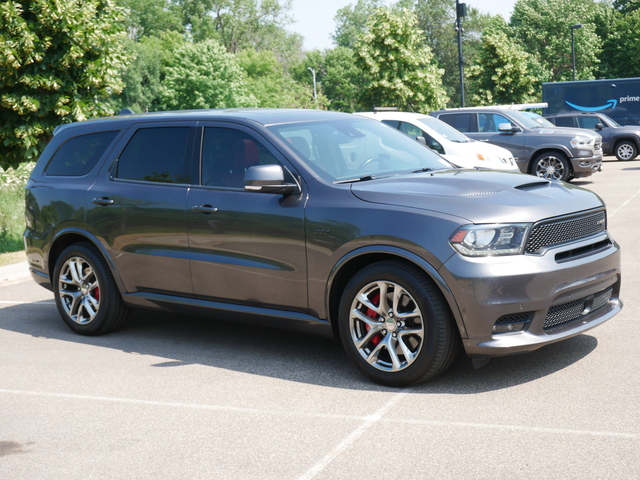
{"points": [[269, 179], [599, 126], [507, 127], [422, 140]]}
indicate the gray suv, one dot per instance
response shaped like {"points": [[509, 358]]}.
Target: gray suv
{"points": [[324, 222], [618, 140], [543, 150]]}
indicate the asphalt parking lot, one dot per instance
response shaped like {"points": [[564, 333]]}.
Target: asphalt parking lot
{"points": [[175, 397]]}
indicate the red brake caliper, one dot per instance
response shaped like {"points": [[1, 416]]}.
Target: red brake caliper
{"points": [[373, 314], [96, 293]]}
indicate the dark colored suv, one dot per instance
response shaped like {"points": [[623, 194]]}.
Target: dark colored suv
{"points": [[317, 221], [618, 140], [543, 150]]}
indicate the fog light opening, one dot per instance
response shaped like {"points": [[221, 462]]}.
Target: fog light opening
{"points": [[509, 327]]}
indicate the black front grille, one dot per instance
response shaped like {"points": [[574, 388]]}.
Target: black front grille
{"points": [[564, 230], [577, 309]]}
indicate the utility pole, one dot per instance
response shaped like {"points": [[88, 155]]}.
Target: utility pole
{"points": [[461, 12], [315, 90]]}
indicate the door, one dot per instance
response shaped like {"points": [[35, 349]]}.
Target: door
{"points": [[589, 122], [247, 247], [139, 208]]}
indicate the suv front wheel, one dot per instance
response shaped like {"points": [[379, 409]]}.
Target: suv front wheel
{"points": [[552, 166], [86, 294], [396, 326], [626, 150]]}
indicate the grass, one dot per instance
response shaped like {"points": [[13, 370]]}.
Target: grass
{"points": [[11, 258], [12, 221]]}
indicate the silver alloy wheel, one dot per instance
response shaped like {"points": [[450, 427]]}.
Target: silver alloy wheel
{"points": [[386, 326], [79, 290], [550, 167], [625, 151]]}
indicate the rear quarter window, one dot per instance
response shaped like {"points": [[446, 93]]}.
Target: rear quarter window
{"points": [[463, 122], [78, 155]]}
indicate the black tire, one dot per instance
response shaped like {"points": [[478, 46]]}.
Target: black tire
{"points": [[87, 297], [552, 166], [386, 343], [626, 150]]}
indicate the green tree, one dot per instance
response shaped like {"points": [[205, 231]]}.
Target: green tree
{"points": [[205, 75], [436, 18], [621, 43], [144, 78], [271, 86], [397, 69], [543, 28], [341, 79], [148, 18], [626, 6], [59, 62], [351, 21], [501, 73]]}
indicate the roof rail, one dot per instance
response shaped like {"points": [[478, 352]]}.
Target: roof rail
{"points": [[513, 106], [385, 109]]}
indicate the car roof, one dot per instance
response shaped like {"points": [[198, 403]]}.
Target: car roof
{"points": [[262, 116]]}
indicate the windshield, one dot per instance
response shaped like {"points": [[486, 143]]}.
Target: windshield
{"points": [[609, 120], [543, 122], [445, 130], [356, 149]]}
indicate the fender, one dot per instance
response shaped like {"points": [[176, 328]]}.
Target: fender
{"points": [[96, 242], [406, 255]]}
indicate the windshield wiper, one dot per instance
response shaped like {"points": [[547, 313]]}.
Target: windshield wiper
{"points": [[422, 170], [360, 179]]}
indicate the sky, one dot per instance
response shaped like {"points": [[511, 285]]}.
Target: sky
{"points": [[314, 19]]}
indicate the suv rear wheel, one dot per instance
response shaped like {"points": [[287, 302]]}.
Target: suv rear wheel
{"points": [[86, 293], [552, 166], [395, 325], [626, 150]]}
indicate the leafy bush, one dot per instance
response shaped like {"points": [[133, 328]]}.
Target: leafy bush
{"points": [[12, 224]]}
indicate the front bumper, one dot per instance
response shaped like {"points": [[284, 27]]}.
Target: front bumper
{"points": [[586, 166], [554, 298]]}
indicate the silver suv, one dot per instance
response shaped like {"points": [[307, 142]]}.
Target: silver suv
{"points": [[543, 150]]}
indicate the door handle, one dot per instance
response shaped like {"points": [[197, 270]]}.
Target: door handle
{"points": [[102, 201], [204, 209]]}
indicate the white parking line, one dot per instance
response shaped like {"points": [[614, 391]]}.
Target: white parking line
{"points": [[629, 200], [7, 302], [368, 420], [352, 437]]}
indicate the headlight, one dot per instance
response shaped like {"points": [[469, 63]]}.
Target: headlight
{"points": [[583, 142], [485, 240]]}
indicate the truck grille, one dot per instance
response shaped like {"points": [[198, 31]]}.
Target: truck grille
{"points": [[565, 230], [577, 309]]}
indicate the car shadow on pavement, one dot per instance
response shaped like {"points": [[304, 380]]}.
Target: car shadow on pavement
{"points": [[184, 340]]}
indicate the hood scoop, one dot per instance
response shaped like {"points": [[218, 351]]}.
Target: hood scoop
{"points": [[527, 187]]}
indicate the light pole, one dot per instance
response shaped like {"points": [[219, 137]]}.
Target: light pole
{"points": [[573, 49], [461, 11], [315, 91]]}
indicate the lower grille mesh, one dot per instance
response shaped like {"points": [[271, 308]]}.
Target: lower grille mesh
{"points": [[577, 309]]}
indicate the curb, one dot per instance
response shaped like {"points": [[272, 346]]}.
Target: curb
{"points": [[14, 273]]}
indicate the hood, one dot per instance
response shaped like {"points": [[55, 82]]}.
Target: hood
{"points": [[635, 129], [566, 131], [479, 196]]}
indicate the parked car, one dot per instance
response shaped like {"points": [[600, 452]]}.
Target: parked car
{"points": [[447, 141], [554, 153], [318, 221], [618, 140]]}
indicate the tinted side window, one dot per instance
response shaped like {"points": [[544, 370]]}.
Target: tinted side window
{"points": [[156, 155], [463, 122], [588, 122], [564, 121], [78, 155], [227, 154], [392, 123]]}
